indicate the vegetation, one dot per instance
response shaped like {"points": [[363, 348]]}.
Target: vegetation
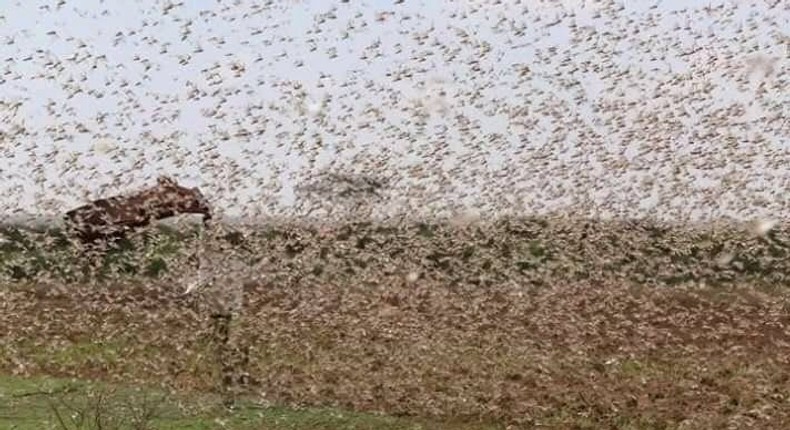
{"points": [[40, 403], [527, 323], [526, 251]]}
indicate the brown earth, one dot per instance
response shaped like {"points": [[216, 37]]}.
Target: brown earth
{"points": [[538, 323], [582, 355]]}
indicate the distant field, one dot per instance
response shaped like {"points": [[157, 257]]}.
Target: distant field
{"points": [[535, 251], [530, 323]]}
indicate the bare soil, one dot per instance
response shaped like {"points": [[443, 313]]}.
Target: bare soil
{"points": [[586, 355]]}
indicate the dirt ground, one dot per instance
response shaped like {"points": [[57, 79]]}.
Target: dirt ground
{"points": [[586, 355]]}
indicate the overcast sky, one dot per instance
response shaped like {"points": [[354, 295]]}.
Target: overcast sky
{"points": [[300, 86]]}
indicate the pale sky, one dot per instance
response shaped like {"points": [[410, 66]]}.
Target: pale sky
{"points": [[136, 67]]}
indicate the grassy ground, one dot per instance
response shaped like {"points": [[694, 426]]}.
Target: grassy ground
{"points": [[594, 356], [44, 403], [529, 325]]}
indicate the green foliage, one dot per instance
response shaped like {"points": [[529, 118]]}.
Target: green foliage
{"points": [[532, 250], [28, 254], [156, 267]]}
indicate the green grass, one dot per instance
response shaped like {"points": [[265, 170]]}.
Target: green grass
{"points": [[30, 404], [75, 354]]}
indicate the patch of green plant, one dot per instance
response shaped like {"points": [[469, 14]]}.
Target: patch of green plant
{"points": [[60, 404]]}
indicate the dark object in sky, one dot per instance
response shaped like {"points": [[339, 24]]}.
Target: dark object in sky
{"points": [[110, 218], [347, 185]]}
